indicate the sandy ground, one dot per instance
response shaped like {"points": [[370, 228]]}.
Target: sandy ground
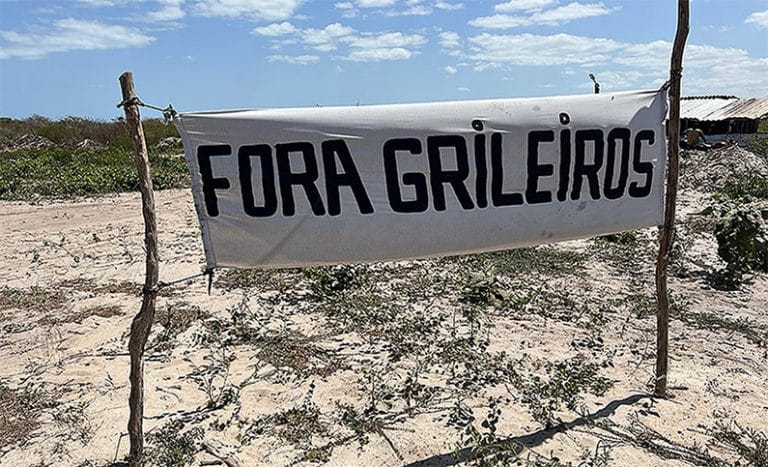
{"points": [[75, 270]]}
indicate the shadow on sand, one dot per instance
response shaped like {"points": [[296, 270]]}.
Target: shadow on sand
{"points": [[533, 439]]}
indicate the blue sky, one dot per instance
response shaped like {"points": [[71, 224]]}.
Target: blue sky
{"points": [[63, 57]]}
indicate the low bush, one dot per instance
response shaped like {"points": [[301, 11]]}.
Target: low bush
{"points": [[742, 238], [738, 215], [70, 131], [61, 173], [745, 188]]}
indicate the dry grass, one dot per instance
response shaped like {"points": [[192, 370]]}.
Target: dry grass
{"points": [[36, 299], [20, 409]]}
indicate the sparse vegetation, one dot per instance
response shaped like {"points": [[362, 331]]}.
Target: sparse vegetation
{"points": [[748, 328], [563, 387], [174, 319], [61, 173], [759, 143], [83, 157], [531, 260], [296, 425], [485, 447], [624, 251], [750, 444], [171, 446], [748, 187], [334, 281], [35, 299], [20, 409]]}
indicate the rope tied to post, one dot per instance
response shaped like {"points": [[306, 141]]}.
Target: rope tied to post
{"points": [[163, 284], [169, 113], [673, 75]]}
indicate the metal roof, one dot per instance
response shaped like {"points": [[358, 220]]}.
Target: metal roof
{"points": [[711, 108]]}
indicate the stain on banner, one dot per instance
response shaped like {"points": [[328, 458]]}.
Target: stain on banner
{"points": [[309, 186]]}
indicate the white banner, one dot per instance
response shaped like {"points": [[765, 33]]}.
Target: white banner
{"points": [[307, 186]]}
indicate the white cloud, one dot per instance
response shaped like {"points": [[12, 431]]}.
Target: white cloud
{"points": [[522, 5], [413, 10], [170, 10], [652, 56], [449, 40], [356, 46], [347, 9], [499, 22], [529, 49], [450, 43], [621, 65], [275, 29], [167, 10], [463, 89], [375, 3], [102, 3], [362, 47], [294, 60], [382, 46], [70, 34], [379, 54], [451, 70], [553, 17], [443, 5], [759, 18], [325, 39], [385, 40], [261, 9], [570, 12], [704, 70]]}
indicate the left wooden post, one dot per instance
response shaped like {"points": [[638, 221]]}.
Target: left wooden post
{"points": [[142, 322], [666, 234]]}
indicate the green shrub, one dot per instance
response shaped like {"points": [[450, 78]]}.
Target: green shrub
{"points": [[61, 173], [742, 238], [757, 145], [746, 187], [623, 238], [331, 281], [482, 292]]}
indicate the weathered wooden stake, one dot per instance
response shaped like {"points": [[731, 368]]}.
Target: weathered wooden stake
{"points": [[667, 231], [142, 322]]}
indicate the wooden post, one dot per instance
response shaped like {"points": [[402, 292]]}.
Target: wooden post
{"points": [[142, 322], [667, 231]]}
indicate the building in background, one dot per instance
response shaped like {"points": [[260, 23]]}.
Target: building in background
{"points": [[725, 116]]}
